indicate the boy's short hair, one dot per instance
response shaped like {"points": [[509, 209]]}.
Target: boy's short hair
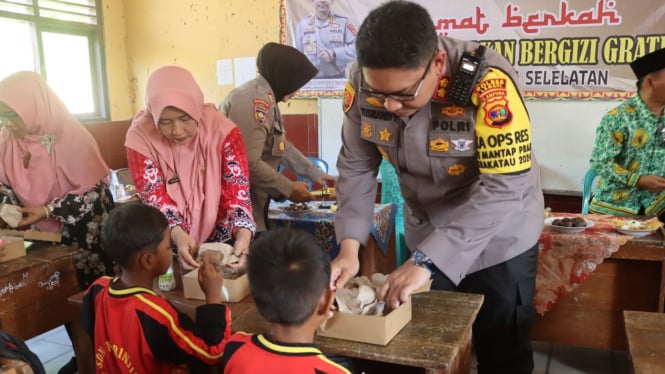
{"points": [[130, 229], [288, 272], [397, 34]]}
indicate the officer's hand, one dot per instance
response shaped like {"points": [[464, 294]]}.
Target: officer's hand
{"points": [[346, 264], [325, 55], [651, 183], [401, 283], [324, 179], [300, 193]]}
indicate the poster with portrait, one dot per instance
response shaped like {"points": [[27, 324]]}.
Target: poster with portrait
{"points": [[561, 49]]}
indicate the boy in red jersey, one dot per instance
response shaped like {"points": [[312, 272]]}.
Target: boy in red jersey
{"points": [[289, 276], [133, 329]]}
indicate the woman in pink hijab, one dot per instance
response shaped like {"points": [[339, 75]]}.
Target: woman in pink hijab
{"points": [[188, 161], [51, 166]]}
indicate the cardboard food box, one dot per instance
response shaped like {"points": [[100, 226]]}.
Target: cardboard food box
{"points": [[365, 328], [233, 290], [14, 247], [14, 241]]}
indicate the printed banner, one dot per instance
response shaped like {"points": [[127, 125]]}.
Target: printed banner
{"points": [[561, 49]]}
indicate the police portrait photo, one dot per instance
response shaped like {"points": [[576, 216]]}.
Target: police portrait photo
{"points": [[324, 31]]}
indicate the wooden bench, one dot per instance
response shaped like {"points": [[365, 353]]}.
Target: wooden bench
{"points": [[110, 137], [646, 340]]}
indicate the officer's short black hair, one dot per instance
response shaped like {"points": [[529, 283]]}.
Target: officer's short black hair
{"points": [[397, 34], [288, 272], [130, 229]]}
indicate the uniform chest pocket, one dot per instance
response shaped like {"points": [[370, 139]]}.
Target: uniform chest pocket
{"points": [[453, 171], [453, 156]]}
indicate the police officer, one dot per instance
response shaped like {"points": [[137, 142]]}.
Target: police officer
{"points": [[327, 40], [473, 209], [253, 108]]}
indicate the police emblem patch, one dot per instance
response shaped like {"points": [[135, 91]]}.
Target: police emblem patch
{"points": [[260, 111], [493, 94], [497, 113], [456, 169], [348, 97], [439, 145], [461, 144], [452, 111]]}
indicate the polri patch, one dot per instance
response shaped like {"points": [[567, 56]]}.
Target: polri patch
{"points": [[260, 111], [348, 97]]}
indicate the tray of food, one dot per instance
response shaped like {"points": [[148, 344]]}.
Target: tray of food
{"points": [[569, 225], [297, 209], [636, 227]]}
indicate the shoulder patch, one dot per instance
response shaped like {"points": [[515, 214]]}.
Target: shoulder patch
{"points": [[348, 97], [352, 28], [493, 96], [260, 111]]}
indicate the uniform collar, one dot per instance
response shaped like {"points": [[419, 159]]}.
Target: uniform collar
{"points": [[288, 349]]}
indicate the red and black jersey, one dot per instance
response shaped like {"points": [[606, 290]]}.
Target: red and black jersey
{"points": [[136, 331], [248, 353]]}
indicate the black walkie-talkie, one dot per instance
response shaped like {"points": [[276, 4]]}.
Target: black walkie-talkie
{"points": [[468, 72]]}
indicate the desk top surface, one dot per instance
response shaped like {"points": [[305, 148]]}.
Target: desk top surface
{"points": [[646, 343], [440, 323], [36, 255]]}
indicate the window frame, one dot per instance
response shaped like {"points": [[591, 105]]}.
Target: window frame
{"points": [[94, 33]]}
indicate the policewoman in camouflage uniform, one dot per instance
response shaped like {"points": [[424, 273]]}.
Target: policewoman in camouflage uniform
{"points": [[473, 202]]}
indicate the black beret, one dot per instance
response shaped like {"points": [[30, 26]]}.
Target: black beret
{"points": [[649, 63]]}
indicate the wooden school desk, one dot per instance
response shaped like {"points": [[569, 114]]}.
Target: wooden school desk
{"points": [[34, 291], [585, 282], [437, 339], [646, 340]]}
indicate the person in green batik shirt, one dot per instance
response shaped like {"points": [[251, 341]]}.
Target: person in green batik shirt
{"points": [[629, 151]]}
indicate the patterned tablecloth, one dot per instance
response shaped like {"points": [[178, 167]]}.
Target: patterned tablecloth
{"points": [[566, 260], [320, 223]]}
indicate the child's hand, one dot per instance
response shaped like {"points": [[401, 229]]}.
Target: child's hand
{"points": [[211, 282]]}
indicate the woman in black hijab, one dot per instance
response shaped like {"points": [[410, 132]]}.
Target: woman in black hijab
{"points": [[283, 70]]}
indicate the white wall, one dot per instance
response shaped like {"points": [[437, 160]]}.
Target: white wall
{"points": [[563, 136]]}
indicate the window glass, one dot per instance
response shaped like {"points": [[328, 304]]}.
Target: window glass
{"points": [[60, 39], [72, 82], [17, 51]]}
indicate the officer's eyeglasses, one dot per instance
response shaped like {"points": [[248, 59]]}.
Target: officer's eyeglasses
{"points": [[382, 96]]}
